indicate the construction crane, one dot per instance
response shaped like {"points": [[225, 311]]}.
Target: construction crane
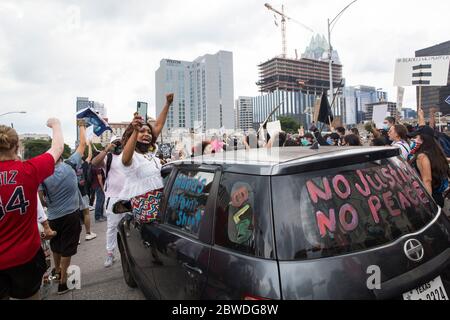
{"points": [[284, 18]]}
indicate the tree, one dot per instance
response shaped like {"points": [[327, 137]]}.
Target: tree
{"points": [[67, 152], [34, 148], [289, 124]]}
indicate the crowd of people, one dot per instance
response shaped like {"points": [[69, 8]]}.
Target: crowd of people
{"points": [[126, 178]]}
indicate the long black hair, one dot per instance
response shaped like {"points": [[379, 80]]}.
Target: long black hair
{"points": [[439, 164]]}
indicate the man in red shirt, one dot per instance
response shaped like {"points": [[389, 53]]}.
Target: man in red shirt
{"points": [[22, 262]]}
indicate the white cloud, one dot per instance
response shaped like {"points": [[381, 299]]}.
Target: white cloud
{"points": [[53, 51]]}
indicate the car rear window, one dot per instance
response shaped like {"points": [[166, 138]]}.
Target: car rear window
{"points": [[348, 209]]}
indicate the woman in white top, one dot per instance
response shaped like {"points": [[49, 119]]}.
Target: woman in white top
{"points": [[144, 182], [399, 135]]}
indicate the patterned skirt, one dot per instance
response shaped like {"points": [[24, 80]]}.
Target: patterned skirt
{"points": [[146, 207]]}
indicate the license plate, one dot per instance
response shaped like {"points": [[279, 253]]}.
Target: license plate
{"points": [[433, 290]]}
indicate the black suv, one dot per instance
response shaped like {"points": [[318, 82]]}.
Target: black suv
{"points": [[291, 223]]}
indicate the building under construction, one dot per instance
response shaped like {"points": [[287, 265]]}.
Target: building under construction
{"points": [[306, 75]]}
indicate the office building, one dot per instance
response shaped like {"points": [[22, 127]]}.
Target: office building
{"points": [[408, 113], [204, 92], [244, 113], [356, 101], [435, 96]]}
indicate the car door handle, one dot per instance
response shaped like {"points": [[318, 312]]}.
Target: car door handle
{"points": [[191, 268]]}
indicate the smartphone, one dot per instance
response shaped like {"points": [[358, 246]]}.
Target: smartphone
{"points": [[142, 110]]}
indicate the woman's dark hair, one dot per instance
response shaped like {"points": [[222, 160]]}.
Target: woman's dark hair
{"points": [[438, 160], [352, 140], [129, 131], [355, 131], [340, 130], [401, 131], [291, 143], [378, 142]]}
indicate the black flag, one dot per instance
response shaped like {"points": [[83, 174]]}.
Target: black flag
{"points": [[325, 113]]}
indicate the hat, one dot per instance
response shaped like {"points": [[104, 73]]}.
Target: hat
{"points": [[427, 130], [114, 138]]}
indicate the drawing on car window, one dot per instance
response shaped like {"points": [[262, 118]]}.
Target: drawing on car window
{"points": [[240, 213]]}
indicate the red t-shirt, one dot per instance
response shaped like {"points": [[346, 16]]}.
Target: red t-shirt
{"points": [[19, 234]]}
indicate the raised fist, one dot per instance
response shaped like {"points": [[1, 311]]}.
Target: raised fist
{"points": [[137, 122], [81, 123], [169, 98], [52, 122]]}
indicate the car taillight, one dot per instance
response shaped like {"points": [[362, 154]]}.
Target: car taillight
{"points": [[249, 297]]}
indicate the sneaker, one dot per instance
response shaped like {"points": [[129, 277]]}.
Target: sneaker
{"points": [[90, 236], [63, 289], [109, 261]]}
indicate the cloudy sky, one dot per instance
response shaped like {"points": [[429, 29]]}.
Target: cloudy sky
{"points": [[52, 51]]}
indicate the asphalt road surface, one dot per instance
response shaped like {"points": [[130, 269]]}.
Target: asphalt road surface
{"points": [[97, 282]]}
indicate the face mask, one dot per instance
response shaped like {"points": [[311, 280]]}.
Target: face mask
{"points": [[142, 147], [386, 127], [330, 141], [305, 142]]}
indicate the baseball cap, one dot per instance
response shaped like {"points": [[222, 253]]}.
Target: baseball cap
{"points": [[426, 130]]}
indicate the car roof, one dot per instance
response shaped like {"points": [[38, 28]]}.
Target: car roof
{"points": [[288, 160]]}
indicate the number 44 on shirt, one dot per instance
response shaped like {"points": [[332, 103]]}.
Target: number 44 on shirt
{"points": [[17, 201]]}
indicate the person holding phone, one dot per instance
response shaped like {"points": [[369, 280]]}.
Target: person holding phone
{"points": [[144, 182]]}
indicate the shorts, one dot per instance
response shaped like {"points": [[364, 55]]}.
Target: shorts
{"points": [[68, 230], [24, 281], [84, 203]]}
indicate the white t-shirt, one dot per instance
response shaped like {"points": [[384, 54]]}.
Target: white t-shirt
{"points": [[404, 148], [142, 176], [116, 177]]}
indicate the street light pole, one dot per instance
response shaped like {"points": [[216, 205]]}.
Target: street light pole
{"points": [[12, 112], [330, 47]]}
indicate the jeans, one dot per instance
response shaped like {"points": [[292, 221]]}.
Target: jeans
{"points": [[99, 203]]}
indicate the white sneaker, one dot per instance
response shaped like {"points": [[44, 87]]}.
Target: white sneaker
{"points": [[90, 236], [109, 261]]}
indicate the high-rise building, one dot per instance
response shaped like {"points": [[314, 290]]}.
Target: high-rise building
{"points": [[435, 96], [357, 99], [297, 84], [244, 113], [204, 91]]}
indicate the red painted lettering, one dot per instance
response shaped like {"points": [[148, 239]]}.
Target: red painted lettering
{"points": [[353, 224], [378, 187], [315, 192], [366, 191], [391, 181], [411, 196], [395, 175], [404, 202], [421, 193], [375, 206], [326, 223], [340, 179], [389, 203]]}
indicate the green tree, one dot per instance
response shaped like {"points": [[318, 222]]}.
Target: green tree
{"points": [[289, 125], [34, 148], [67, 152]]}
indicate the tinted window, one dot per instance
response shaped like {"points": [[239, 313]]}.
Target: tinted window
{"points": [[348, 209], [243, 215], [186, 207]]}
